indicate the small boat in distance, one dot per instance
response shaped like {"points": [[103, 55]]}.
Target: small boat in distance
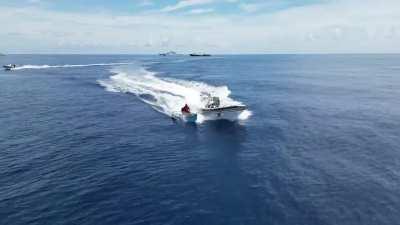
{"points": [[199, 55], [187, 115], [9, 66]]}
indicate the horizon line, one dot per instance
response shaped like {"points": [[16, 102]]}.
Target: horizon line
{"points": [[215, 54]]}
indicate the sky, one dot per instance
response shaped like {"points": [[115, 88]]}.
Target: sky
{"points": [[204, 26]]}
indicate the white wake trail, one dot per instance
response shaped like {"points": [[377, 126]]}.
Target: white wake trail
{"points": [[166, 95], [66, 66]]}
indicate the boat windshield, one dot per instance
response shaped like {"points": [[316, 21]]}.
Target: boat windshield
{"points": [[213, 102]]}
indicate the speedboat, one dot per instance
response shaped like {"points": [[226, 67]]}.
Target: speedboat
{"points": [[214, 111], [9, 66]]}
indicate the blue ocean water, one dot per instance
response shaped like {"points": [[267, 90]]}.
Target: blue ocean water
{"points": [[82, 142]]}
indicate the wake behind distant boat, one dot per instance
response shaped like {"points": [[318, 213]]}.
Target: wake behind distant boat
{"points": [[24, 67]]}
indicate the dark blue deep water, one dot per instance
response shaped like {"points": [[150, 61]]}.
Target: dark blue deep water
{"points": [[321, 146]]}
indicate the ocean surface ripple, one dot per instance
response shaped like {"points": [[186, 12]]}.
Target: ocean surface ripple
{"points": [[88, 140]]}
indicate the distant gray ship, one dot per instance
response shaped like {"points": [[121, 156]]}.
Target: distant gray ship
{"points": [[170, 53], [199, 55]]}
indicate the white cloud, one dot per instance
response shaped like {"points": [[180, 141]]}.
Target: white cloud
{"points": [[34, 1], [200, 11], [333, 27], [251, 7], [184, 4], [145, 3], [262, 6]]}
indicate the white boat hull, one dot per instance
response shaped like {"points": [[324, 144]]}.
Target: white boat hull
{"points": [[224, 113]]}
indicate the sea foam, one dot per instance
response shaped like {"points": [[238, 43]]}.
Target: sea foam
{"points": [[166, 95]]}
